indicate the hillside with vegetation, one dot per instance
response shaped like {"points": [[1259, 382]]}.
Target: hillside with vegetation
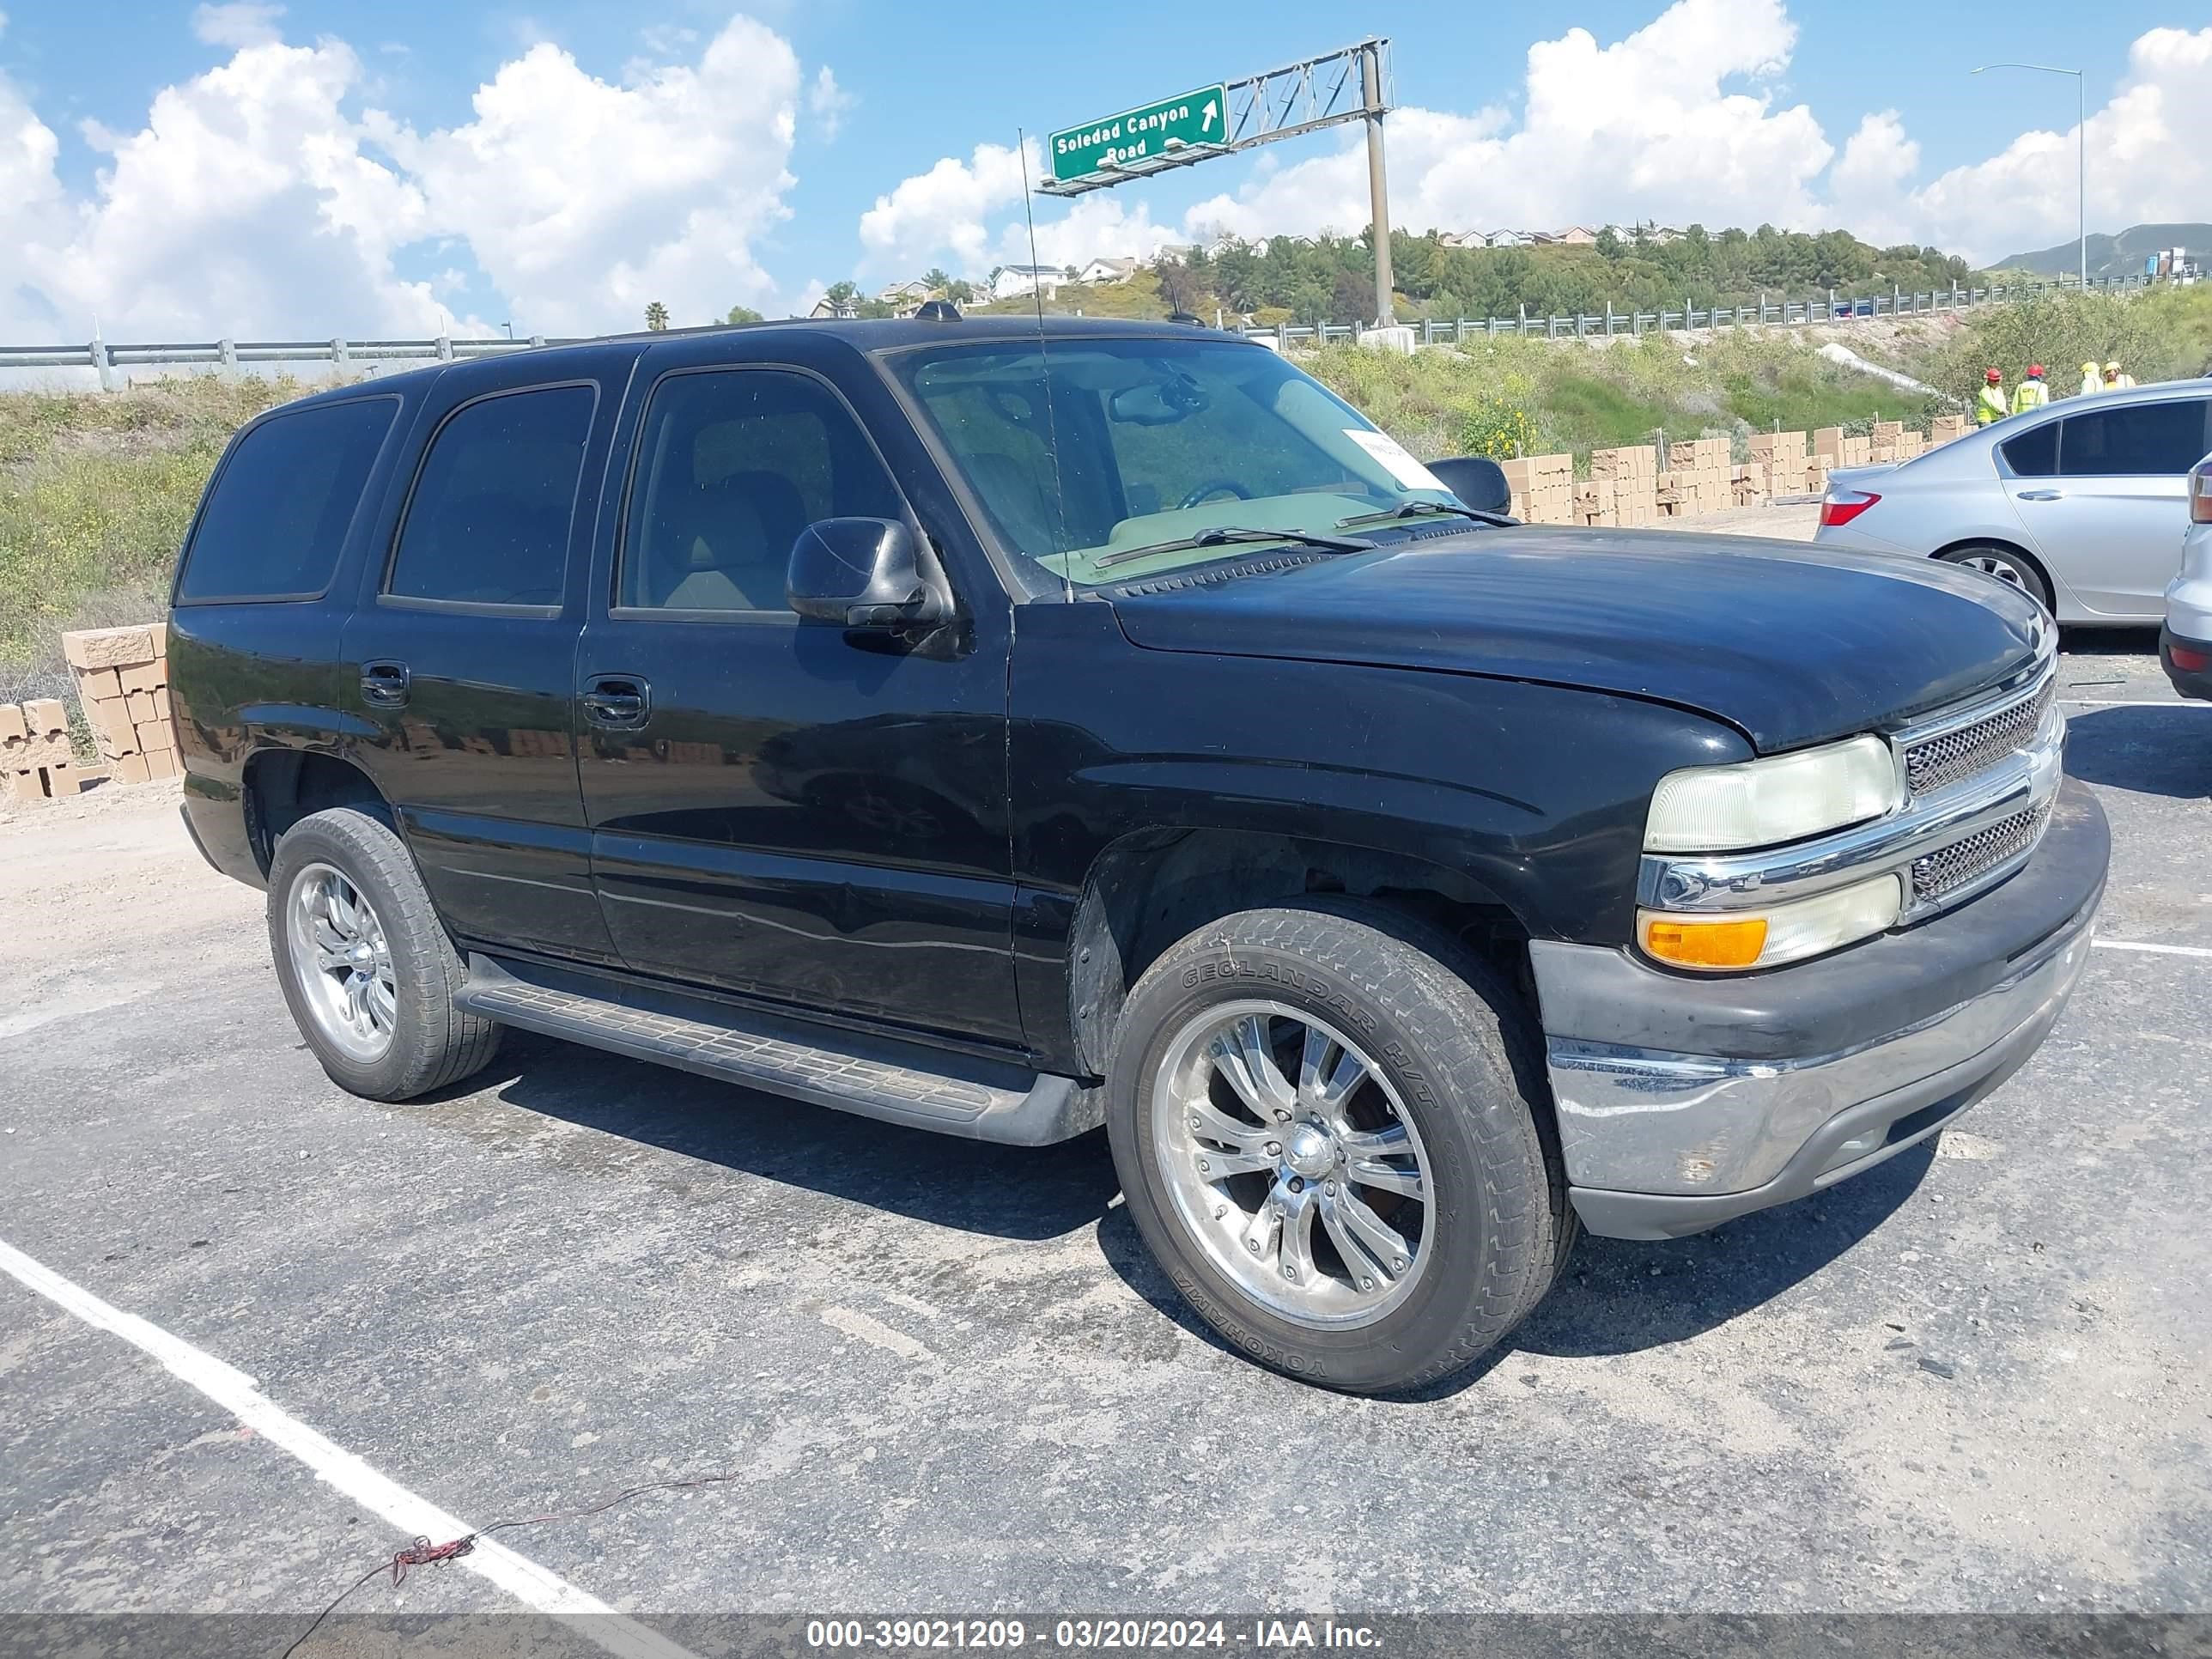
{"points": [[2123, 255], [1299, 280], [96, 488]]}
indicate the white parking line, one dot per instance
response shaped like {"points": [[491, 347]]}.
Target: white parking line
{"points": [[240, 1394], [2154, 950]]}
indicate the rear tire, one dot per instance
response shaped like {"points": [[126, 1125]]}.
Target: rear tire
{"points": [[1376, 1238], [2002, 564], [367, 967]]}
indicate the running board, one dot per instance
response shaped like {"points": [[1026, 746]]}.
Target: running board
{"points": [[897, 1082]]}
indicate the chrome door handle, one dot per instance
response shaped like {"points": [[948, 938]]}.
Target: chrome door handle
{"points": [[384, 683], [2042, 495], [621, 700]]}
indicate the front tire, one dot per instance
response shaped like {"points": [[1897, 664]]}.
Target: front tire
{"points": [[1328, 1124], [2002, 563], [367, 967]]}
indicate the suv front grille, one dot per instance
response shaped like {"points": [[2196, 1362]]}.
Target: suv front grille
{"points": [[1948, 868], [1938, 762]]}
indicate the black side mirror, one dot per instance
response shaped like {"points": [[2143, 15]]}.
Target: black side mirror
{"points": [[1477, 480], [862, 573]]}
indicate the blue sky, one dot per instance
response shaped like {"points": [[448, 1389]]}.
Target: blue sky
{"points": [[1726, 110]]}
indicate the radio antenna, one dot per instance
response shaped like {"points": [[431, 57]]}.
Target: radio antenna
{"points": [[1045, 362]]}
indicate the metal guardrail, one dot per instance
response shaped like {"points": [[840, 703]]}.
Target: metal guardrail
{"points": [[1836, 308], [230, 354]]}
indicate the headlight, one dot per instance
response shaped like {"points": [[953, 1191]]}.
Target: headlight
{"points": [[1726, 940], [1761, 803]]}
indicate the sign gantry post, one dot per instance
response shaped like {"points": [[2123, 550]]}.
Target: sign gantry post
{"points": [[1352, 84]]}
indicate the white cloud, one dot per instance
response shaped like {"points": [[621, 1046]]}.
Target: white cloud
{"points": [[2149, 159], [940, 213], [583, 200], [256, 201], [240, 23], [827, 102], [1654, 126]]}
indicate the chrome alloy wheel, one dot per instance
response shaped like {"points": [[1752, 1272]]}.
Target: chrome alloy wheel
{"points": [[1997, 568], [341, 963], [1290, 1162]]}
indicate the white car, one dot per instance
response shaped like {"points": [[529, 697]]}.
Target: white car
{"points": [[2081, 504], [2185, 640]]}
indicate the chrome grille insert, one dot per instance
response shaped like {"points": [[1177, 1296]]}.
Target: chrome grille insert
{"points": [[1943, 872], [1939, 761]]}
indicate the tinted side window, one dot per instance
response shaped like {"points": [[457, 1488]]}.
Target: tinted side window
{"points": [[732, 466], [2146, 439], [489, 523], [274, 525], [2033, 454]]}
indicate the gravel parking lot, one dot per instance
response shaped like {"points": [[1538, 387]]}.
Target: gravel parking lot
{"points": [[943, 1378]]}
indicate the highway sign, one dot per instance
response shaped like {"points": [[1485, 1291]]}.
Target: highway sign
{"points": [[1138, 135]]}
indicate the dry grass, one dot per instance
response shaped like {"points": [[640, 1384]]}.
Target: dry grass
{"points": [[95, 492]]}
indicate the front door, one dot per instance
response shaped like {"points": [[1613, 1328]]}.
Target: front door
{"points": [[779, 808], [462, 654], [2109, 522]]}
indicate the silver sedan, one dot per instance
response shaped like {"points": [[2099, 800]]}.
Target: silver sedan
{"points": [[2082, 504]]}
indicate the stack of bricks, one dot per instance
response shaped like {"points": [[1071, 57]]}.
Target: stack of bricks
{"points": [[122, 680], [1543, 488], [1593, 503], [1944, 428], [36, 761], [1784, 455], [1698, 469], [1886, 442], [1751, 485], [1633, 472]]}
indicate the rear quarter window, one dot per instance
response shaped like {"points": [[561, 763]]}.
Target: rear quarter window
{"points": [[277, 516]]}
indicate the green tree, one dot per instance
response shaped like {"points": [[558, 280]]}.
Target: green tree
{"points": [[743, 315], [1609, 245], [842, 296], [939, 281], [960, 291], [656, 317]]}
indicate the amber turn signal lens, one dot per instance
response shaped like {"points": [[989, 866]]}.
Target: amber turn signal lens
{"points": [[1731, 943]]}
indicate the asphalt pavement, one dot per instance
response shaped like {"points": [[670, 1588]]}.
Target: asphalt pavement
{"points": [[943, 1378]]}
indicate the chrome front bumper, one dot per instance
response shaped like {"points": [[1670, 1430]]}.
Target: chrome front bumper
{"points": [[1685, 1101]]}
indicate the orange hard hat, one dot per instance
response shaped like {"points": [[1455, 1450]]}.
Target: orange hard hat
{"points": [[2035, 371], [1991, 376]]}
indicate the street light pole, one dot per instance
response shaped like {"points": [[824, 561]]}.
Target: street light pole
{"points": [[2081, 144]]}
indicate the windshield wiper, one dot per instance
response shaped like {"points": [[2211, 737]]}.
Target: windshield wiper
{"points": [[1228, 535], [1419, 509]]}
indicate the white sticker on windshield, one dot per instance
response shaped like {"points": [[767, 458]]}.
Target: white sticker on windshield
{"points": [[1396, 458]]}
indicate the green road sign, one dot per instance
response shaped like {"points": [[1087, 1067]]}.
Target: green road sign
{"points": [[1141, 134]]}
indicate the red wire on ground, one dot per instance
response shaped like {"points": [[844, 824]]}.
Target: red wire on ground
{"points": [[424, 1553]]}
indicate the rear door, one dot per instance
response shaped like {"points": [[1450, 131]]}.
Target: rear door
{"points": [[2110, 509], [461, 655], [779, 808]]}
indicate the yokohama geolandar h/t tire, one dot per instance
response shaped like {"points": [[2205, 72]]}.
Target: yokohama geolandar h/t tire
{"points": [[367, 967], [1330, 1127]]}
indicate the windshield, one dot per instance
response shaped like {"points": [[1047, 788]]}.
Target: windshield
{"points": [[1157, 442]]}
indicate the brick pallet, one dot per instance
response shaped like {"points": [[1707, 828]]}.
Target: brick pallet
{"points": [[1633, 470], [36, 760], [1543, 488], [123, 681]]}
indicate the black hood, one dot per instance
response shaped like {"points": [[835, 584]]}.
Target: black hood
{"points": [[1790, 643]]}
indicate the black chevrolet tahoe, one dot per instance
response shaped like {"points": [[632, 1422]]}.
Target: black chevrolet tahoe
{"points": [[1004, 728]]}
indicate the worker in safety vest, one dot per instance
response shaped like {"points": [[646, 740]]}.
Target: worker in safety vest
{"points": [[2091, 379], [1991, 408], [2115, 380], [2032, 393]]}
